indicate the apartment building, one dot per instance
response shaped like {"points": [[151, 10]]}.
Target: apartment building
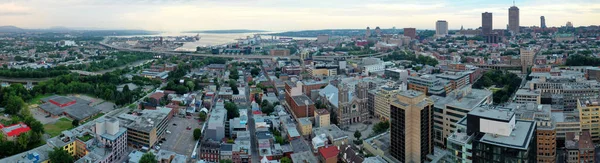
{"points": [[546, 128], [524, 96], [457, 79], [589, 109], [430, 85], [145, 128], [382, 102], [411, 126], [450, 109], [579, 148]]}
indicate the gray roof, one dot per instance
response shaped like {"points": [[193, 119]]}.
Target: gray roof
{"points": [[140, 122], [332, 131], [81, 111], [299, 100], [42, 151], [299, 145], [520, 137], [305, 156], [471, 100], [497, 114]]}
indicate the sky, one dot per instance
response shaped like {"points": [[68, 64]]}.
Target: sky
{"points": [[287, 15]]}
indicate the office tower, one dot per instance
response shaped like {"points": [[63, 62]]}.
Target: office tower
{"points": [[569, 24], [410, 32], [411, 126], [368, 33], [527, 55], [543, 22], [441, 28], [513, 19], [486, 23], [545, 127], [378, 31]]}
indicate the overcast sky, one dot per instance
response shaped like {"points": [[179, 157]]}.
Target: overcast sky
{"points": [[283, 15]]}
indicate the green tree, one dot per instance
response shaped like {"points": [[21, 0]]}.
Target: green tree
{"points": [[357, 135], [197, 133], [285, 160], [148, 157], [60, 155], [225, 161], [202, 116], [255, 71], [232, 110], [14, 104], [75, 123]]}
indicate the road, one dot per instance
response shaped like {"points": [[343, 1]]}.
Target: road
{"points": [[252, 127]]}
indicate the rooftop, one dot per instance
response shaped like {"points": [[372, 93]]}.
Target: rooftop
{"points": [[503, 115], [322, 111], [300, 100], [306, 156], [304, 121], [471, 100], [329, 152], [520, 137], [581, 140], [299, 145], [146, 120], [15, 130], [332, 131]]}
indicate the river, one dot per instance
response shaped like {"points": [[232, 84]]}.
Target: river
{"points": [[212, 39]]}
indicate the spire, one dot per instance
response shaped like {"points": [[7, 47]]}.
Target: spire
{"points": [[514, 3]]}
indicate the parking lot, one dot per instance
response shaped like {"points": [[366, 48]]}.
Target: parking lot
{"points": [[41, 116], [180, 140], [105, 106]]}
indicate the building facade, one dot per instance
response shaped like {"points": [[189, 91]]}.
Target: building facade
{"points": [[410, 32], [411, 126], [352, 107], [441, 28], [513, 19]]}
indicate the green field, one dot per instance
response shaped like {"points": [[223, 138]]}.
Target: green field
{"points": [[56, 128], [37, 99]]}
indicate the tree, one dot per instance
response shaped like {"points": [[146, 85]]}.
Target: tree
{"points": [[147, 158], [202, 116], [197, 133], [255, 71], [357, 134], [14, 104], [60, 155], [232, 110], [285, 160], [225, 161], [75, 123]]}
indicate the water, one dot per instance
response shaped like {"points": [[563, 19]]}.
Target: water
{"points": [[212, 39]]}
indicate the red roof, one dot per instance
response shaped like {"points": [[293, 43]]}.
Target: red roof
{"points": [[257, 112], [157, 95], [15, 130], [329, 152]]}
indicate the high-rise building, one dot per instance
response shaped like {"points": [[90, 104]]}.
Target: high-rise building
{"points": [[441, 28], [513, 19], [543, 22], [411, 126], [410, 32], [486, 23], [368, 33], [588, 116], [527, 56], [378, 31]]}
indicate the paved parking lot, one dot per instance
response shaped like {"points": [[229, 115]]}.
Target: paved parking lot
{"points": [[41, 116], [106, 106], [180, 140]]}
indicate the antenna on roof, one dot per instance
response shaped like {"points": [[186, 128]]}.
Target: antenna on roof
{"points": [[514, 3]]}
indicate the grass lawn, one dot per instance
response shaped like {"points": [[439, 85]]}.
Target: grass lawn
{"points": [[37, 99], [56, 128]]}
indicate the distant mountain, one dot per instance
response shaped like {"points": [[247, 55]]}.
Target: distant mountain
{"points": [[226, 31], [59, 28], [10, 29]]}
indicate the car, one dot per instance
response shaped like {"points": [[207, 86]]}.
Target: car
{"points": [[188, 128], [168, 132], [174, 124], [163, 139]]}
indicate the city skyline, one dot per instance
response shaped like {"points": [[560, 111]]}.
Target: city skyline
{"points": [[180, 15]]}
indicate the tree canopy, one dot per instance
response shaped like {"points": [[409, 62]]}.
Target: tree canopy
{"points": [[148, 157], [60, 155]]}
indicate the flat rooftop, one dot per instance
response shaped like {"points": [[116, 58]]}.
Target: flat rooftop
{"points": [[300, 100], [471, 100], [332, 131], [497, 114], [520, 137], [305, 156], [141, 121]]}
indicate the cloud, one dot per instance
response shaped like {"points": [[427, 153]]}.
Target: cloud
{"points": [[176, 15]]}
